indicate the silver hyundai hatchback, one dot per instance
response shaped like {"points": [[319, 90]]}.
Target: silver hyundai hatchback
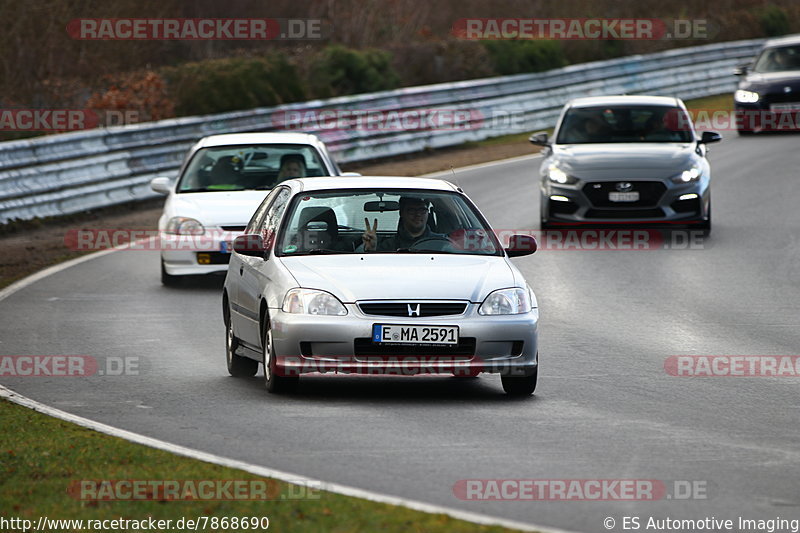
{"points": [[625, 159], [377, 275]]}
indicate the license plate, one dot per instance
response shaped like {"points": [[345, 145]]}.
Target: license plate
{"points": [[789, 106], [225, 247], [402, 334], [624, 196]]}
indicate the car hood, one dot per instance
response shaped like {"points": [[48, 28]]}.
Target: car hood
{"points": [[636, 159], [355, 277], [772, 82], [215, 208]]}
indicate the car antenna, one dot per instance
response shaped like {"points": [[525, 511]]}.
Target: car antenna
{"points": [[453, 170]]}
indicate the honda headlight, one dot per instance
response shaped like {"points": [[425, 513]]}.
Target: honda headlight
{"points": [[312, 302], [184, 226], [557, 175], [507, 302], [688, 175], [745, 97]]}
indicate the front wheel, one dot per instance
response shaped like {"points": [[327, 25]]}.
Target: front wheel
{"points": [[704, 226], [519, 386], [274, 383]]}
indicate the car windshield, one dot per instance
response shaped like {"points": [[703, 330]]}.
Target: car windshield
{"points": [[778, 59], [252, 166], [333, 222], [624, 124]]}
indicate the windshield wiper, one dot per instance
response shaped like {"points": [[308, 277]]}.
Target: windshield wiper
{"points": [[321, 251]]}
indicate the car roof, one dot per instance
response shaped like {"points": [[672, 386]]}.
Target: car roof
{"points": [[227, 139], [592, 101], [783, 41], [368, 182]]}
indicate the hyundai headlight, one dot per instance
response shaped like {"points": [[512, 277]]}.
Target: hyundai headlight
{"points": [[507, 302], [688, 175], [184, 226], [745, 97], [557, 175], [312, 302]]}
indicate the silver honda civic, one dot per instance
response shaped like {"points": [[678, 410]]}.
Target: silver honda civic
{"points": [[625, 159], [377, 275]]}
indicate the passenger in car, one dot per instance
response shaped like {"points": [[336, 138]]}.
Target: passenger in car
{"points": [[292, 166]]}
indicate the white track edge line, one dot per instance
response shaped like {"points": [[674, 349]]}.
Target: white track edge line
{"points": [[445, 173], [337, 488]]}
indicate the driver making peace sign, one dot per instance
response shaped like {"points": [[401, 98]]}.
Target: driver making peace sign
{"points": [[413, 227]]}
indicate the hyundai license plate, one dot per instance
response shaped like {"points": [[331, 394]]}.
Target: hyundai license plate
{"points": [[624, 196]]}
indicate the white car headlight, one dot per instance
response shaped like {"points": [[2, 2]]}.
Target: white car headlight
{"points": [[688, 175], [745, 97], [184, 226], [312, 302], [513, 301], [557, 175]]}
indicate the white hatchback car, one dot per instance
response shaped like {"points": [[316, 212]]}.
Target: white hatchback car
{"points": [[378, 275], [222, 180]]}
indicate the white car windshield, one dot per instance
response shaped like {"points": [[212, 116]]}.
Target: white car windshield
{"points": [[625, 124], [241, 167], [403, 221]]}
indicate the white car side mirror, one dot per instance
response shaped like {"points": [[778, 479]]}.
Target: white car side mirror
{"points": [[161, 185]]}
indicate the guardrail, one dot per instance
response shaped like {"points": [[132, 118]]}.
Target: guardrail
{"points": [[71, 172]]}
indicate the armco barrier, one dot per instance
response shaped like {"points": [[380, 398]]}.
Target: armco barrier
{"points": [[72, 172]]}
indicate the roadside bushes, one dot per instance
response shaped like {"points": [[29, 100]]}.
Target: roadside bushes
{"points": [[338, 70], [519, 57], [230, 84], [774, 21]]}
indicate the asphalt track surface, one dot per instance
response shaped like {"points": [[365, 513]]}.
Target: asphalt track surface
{"points": [[605, 407]]}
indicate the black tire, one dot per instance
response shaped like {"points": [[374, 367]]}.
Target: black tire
{"points": [[238, 366], [274, 383], [168, 279], [544, 225], [745, 132], [520, 386], [704, 226]]}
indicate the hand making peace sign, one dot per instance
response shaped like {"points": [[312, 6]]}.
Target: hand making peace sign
{"points": [[370, 236]]}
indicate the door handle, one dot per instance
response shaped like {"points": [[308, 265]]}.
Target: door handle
{"points": [[241, 269]]}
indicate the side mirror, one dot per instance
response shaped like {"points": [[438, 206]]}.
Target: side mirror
{"points": [[249, 245], [709, 137], [350, 174], [539, 138], [741, 69], [161, 185], [519, 245]]}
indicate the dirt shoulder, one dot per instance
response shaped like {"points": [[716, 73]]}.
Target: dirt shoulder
{"points": [[32, 246]]}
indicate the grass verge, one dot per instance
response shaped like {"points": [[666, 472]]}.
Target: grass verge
{"points": [[43, 461]]}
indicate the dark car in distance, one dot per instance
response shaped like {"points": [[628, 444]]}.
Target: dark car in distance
{"points": [[768, 95]]}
